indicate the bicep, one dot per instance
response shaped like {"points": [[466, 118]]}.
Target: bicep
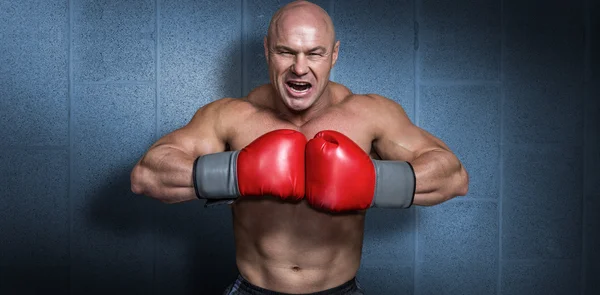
{"points": [[399, 139], [407, 144], [202, 135]]}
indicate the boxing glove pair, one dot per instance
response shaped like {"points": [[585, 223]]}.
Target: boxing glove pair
{"points": [[330, 170]]}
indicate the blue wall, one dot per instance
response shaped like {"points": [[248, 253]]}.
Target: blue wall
{"points": [[512, 86]]}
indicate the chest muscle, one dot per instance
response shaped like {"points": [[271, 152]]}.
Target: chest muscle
{"points": [[263, 122]]}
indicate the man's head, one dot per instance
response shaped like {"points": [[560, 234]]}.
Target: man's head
{"points": [[301, 50]]}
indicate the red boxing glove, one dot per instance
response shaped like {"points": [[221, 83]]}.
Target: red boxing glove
{"points": [[273, 164], [340, 176]]}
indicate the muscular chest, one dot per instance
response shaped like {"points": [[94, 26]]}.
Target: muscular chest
{"points": [[348, 123]]}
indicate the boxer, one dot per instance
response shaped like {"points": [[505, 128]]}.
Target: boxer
{"points": [[300, 161]]}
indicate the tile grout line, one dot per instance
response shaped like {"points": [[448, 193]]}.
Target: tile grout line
{"points": [[128, 82], [243, 33], [70, 193], [157, 110], [586, 97], [416, 97], [48, 147], [467, 82], [473, 200], [538, 260], [534, 145], [501, 148]]}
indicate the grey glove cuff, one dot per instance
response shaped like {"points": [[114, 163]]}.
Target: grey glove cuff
{"points": [[395, 184], [215, 176]]}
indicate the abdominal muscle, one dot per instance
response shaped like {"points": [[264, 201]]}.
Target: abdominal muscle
{"points": [[292, 248]]}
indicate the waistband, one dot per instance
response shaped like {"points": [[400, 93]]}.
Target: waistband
{"points": [[242, 286]]}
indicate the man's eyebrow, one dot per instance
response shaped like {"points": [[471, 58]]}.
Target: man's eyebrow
{"points": [[318, 48], [285, 48]]}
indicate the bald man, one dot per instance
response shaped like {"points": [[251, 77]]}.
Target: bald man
{"points": [[300, 160]]}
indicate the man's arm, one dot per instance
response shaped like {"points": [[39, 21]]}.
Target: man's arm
{"points": [[165, 171], [439, 174]]}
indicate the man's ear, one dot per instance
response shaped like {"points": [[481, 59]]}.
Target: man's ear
{"points": [[334, 55], [266, 46]]}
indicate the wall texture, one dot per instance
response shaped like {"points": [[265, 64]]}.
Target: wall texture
{"points": [[512, 86]]}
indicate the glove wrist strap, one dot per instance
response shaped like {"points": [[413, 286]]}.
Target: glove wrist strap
{"points": [[215, 176], [395, 184]]}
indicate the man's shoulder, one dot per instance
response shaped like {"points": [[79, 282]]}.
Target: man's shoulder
{"points": [[345, 96], [221, 113], [257, 100], [372, 98], [379, 111], [228, 105], [369, 102]]}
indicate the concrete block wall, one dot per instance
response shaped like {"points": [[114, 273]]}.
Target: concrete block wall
{"points": [[511, 86]]}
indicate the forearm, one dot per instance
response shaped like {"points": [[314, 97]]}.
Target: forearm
{"points": [[439, 177], [164, 173]]}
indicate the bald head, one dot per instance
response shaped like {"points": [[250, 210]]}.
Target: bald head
{"points": [[297, 14], [300, 51]]}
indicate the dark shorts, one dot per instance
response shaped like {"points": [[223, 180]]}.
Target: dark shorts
{"points": [[243, 287]]}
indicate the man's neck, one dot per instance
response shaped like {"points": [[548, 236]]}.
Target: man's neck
{"points": [[302, 117]]}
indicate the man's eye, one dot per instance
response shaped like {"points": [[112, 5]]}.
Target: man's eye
{"points": [[285, 52]]}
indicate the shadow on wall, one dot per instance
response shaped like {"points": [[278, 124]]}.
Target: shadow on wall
{"points": [[193, 245], [257, 71]]}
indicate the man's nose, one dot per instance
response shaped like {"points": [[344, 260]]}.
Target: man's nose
{"points": [[300, 66]]}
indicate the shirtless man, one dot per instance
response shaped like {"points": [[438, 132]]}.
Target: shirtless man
{"points": [[299, 208]]}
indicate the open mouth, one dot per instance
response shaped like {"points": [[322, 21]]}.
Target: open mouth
{"points": [[299, 86]]}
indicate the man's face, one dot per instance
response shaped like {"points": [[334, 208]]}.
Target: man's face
{"points": [[300, 58]]}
